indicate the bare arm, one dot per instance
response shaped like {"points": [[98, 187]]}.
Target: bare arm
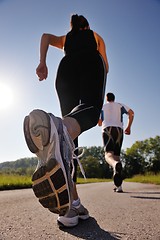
{"points": [[100, 119], [102, 49], [100, 122], [46, 40], [130, 120]]}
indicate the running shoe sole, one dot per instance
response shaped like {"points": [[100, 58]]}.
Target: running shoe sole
{"points": [[117, 178], [50, 182]]}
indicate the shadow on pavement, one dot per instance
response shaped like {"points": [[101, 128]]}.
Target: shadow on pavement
{"points": [[149, 197], [89, 229], [143, 192]]}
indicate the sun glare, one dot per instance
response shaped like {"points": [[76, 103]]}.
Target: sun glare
{"points": [[6, 96]]}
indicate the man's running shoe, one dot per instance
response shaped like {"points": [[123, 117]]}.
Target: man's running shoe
{"points": [[52, 182], [117, 176], [118, 189], [72, 217]]}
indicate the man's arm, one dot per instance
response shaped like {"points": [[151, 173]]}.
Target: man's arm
{"points": [[130, 121], [100, 119], [100, 122]]}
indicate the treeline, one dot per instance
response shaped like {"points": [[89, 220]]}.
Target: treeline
{"points": [[141, 158], [23, 166]]}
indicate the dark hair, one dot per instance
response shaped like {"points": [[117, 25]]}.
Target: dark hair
{"points": [[110, 97], [83, 23], [75, 23], [78, 22]]}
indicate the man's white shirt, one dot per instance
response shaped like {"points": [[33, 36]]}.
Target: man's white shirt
{"points": [[112, 114]]}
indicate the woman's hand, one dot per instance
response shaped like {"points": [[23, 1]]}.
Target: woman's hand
{"points": [[42, 71]]}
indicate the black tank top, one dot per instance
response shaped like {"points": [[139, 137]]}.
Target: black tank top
{"points": [[80, 42]]}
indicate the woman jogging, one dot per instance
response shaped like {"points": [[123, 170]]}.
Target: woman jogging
{"points": [[80, 85]]}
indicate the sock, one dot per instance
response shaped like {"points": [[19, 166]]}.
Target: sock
{"points": [[76, 202]]}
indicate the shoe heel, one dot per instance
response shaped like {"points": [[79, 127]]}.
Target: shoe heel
{"points": [[37, 130], [32, 147], [118, 167]]}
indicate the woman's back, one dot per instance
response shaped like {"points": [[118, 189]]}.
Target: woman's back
{"points": [[81, 41]]}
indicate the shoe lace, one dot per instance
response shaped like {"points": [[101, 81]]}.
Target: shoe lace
{"points": [[71, 153], [77, 157]]}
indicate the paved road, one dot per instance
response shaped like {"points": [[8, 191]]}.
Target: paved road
{"points": [[134, 214]]}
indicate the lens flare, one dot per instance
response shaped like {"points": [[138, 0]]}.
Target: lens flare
{"points": [[6, 96]]}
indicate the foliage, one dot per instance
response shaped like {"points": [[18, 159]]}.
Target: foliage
{"points": [[24, 166], [94, 164], [142, 157]]}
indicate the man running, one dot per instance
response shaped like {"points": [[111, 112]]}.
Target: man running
{"points": [[111, 121]]}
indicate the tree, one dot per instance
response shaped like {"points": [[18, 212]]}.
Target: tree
{"points": [[94, 163], [142, 157], [153, 154]]}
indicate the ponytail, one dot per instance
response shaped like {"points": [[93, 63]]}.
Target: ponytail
{"points": [[83, 23], [78, 22], [75, 23]]}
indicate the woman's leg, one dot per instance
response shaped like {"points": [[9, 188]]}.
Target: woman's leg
{"points": [[81, 98]]}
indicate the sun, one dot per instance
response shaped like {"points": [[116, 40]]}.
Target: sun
{"points": [[6, 96]]}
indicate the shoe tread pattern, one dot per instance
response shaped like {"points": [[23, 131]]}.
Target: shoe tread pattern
{"points": [[49, 186]]}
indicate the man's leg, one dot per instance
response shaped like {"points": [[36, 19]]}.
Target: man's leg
{"points": [[112, 142], [114, 162], [111, 159]]}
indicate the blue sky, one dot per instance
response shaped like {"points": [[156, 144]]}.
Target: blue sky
{"points": [[131, 32]]}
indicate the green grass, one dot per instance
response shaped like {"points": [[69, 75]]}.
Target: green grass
{"points": [[8, 181], [92, 180], [147, 178]]}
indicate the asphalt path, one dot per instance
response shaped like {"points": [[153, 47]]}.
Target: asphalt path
{"points": [[134, 214]]}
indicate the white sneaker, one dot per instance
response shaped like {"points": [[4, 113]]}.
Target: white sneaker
{"points": [[71, 218], [52, 182], [118, 189]]}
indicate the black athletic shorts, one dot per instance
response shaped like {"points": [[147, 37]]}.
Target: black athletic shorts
{"points": [[112, 139]]}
